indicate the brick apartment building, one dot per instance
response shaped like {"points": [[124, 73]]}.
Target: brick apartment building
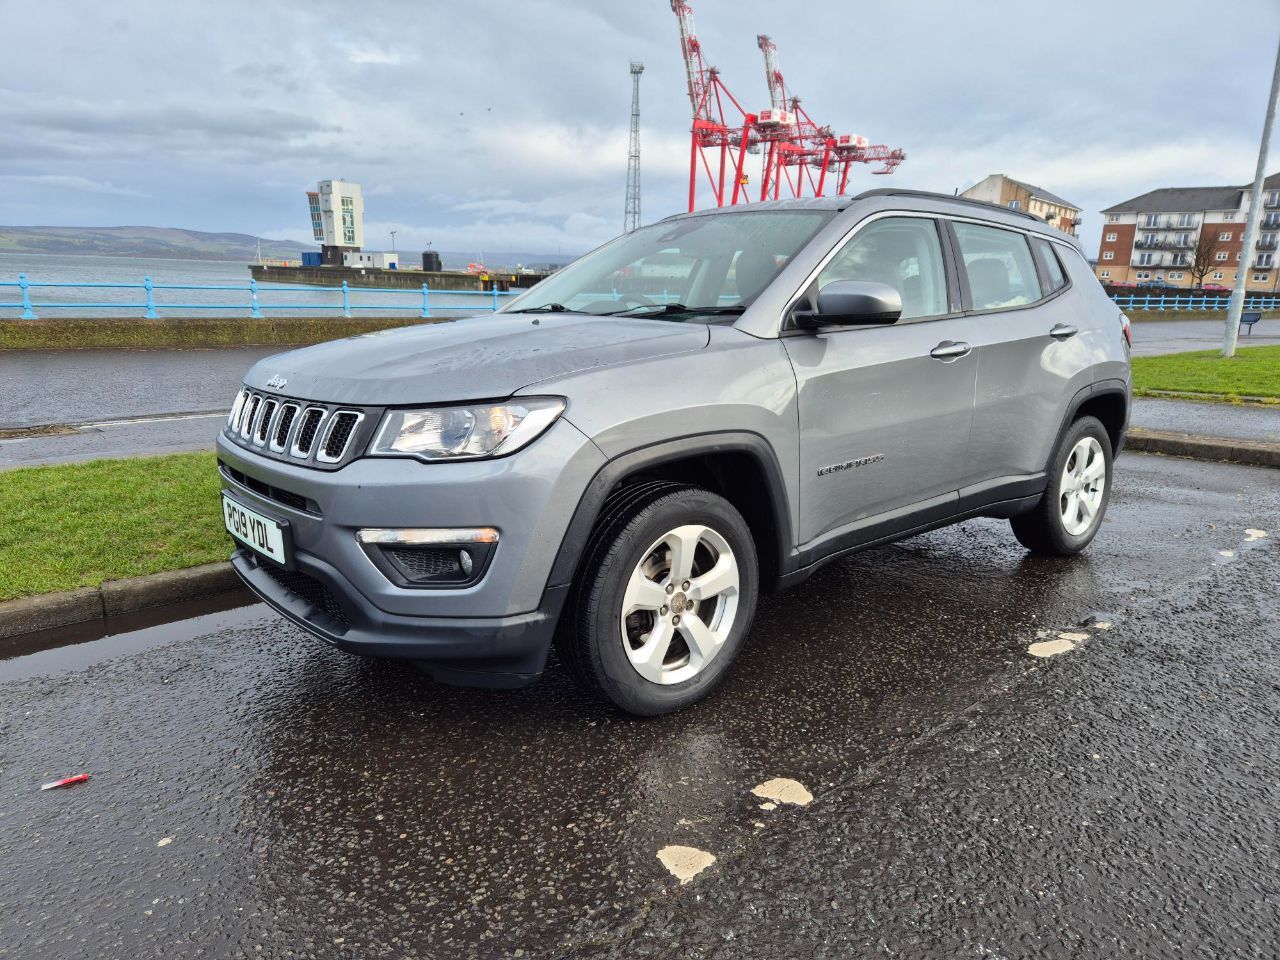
{"points": [[1152, 239], [1016, 195]]}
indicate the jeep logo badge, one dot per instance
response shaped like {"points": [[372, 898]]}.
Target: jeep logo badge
{"points": [[277, 382]]}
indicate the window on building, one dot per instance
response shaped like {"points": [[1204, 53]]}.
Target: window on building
{"points": [[1186, 220], [1228, 216], [1149, 239], [999, 265], [1273, 198], [1265, 260], [1145, 260], [1105, 274], [1151, 220], [1176, 276], [1111, 238], [1217, 275], [1184, 239], [1225, 235], [1113, 218], [1049, 262], [1015, 204], [1108, 254], [1259, 278], [1143, 275], [1221, 256], [1180, 260]]}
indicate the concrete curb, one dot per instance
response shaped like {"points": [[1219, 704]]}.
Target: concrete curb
{"points": [[1222, 449], [114, 598]]}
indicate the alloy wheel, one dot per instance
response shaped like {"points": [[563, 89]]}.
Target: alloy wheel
{"points": [[1084, 479], [680, 604]]}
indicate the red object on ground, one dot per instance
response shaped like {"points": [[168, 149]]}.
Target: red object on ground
{"points": [[66, 782]]}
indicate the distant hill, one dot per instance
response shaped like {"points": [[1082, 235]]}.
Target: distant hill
{"points": [[169, 242]]}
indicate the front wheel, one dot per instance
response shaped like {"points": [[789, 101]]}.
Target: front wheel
{"points": [[665, 595], [1075, 500]]}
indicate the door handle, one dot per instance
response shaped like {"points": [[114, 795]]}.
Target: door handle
{"points": [[950, 350], [1063, 331]]}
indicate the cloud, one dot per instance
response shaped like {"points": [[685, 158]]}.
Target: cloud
{"points": [[482, 129], [63, 182]]}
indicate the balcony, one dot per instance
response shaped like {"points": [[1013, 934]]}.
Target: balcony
{"points": [[1267, 244], [1166, 223], [1162, 243]]}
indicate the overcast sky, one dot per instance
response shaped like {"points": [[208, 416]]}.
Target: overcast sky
{"points": [[493, 126]]}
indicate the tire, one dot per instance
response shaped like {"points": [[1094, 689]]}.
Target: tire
{"points": [[638, 659], [1070, 513]]}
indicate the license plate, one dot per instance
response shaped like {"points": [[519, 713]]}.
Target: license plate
{"points": [[255, 531]]}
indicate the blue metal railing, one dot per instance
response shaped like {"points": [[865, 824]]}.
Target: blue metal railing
{"points": [[151, 309], [1135, 301]]}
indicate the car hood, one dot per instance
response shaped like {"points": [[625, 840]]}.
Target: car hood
{"points": [[476, 358]]}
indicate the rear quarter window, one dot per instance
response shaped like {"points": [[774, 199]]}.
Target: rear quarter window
{"points": [[999, 267], [1054, 274]]}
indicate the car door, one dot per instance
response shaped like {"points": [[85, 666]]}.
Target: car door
{"points": [[1030, 356], [884, 411]]}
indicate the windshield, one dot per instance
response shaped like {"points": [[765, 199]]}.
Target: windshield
{"points": [[699, 268]]}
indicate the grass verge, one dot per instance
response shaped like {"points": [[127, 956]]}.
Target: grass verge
{"points": [[76, 525], [1252, 372], [190, 332]]}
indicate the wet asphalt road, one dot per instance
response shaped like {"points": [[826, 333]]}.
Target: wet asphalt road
{"points": [[75, 386], [257, 794], [1152, 337]]}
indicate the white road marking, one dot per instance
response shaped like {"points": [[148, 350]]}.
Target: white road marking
{"points": [[1252, 535], [783, 790], [164, 841], [685, 863], [1051, 648]]}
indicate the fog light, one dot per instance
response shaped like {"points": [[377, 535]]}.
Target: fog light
{"points": [[430, 557]]}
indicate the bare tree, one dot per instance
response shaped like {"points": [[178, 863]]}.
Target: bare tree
{"points": [[1200, 259]]}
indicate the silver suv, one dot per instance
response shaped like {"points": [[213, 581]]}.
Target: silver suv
{"points": [[622, 459]]}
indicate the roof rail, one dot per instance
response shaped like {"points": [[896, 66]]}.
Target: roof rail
{"points": [[930, 195]]}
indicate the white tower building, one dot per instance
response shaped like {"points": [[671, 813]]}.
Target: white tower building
{"points": [[337, 218]]}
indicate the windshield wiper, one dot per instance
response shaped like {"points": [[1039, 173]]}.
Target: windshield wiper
{"points": [[663, 309], [545, 308]]}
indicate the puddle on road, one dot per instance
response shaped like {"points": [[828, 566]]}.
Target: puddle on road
{"points": [[81, 645]]}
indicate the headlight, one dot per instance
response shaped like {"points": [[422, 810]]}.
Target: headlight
{"points": [[467, 432]]}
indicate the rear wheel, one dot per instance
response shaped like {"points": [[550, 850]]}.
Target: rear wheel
{"points": [[1079, 488], [665, 595]]}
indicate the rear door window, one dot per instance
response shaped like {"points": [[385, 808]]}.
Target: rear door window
{"points": [[903, 252], [1054, 274], [999, 266]]}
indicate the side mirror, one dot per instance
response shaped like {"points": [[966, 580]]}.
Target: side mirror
{"points": [[852, 303]]}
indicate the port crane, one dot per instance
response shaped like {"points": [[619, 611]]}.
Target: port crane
{"points": [[801, 155]]}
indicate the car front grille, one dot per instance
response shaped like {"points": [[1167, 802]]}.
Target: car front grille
{"points": [[286, 497], [307, 588], [312, 434]]}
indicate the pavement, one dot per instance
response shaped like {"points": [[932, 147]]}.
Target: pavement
{"points": [[256, 793], [1152, 337], [1233, 421], [123, 403]]}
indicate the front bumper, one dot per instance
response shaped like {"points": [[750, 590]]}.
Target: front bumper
{"points": [[469, 651], [498, 626]]}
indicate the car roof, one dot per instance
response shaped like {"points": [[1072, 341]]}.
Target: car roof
{"points": [[924, 200]]}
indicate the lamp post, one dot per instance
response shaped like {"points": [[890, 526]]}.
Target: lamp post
{"points": [[393, 241], [1236, 306]]}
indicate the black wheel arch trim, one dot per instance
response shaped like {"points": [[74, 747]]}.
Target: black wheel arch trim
{"points": [[565, 567], [1086, 393]]}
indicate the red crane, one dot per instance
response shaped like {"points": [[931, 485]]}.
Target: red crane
{"points": [[722, 129], [816, 147], [800, 152]]}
